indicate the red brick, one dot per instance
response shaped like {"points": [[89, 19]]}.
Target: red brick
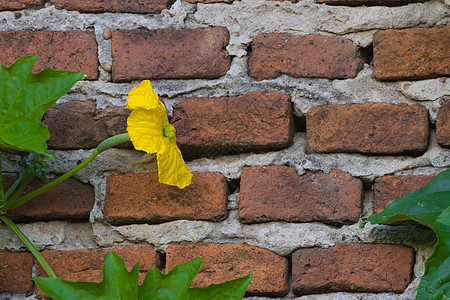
{"points": [[277, 193], [274, 54], [21, 4], [368, 2], [369, 128], [16, 277], [79, 124], [225, 262], [130, 6], [414, 53], [230, 125], [86, 264], [70, 199], [170, 53], [443, 123], [352, 268], [64, 50], [388, 188], [139, 198]]}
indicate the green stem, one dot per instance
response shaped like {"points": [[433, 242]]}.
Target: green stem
{"points": [[106, 144], [23, 184], [22, 200], [13, 187], [29, 245], [2, 194]]}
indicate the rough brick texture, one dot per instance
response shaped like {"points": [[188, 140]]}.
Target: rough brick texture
{"points": [[370, 128], [63, 50], [129, 6], [368, 2], [353, 268], [170, 54], [252, 122], [388, 188], [86, 264], [138, 198], [414, 53], [443, 123], [15, 278], [79, 124], [225, 262], [21, 4], [315, 55], [70, 199], [277, 193]]}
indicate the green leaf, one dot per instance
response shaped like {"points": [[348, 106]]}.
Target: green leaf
{"points": [[24, 98], [429, 206], [117, 283], [175, 285]]}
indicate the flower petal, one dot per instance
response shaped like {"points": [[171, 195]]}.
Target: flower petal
{"points": [[145, 128], [172, 169], [143, 96]]}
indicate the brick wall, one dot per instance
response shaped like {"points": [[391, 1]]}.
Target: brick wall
{"points": [[298, 119]]}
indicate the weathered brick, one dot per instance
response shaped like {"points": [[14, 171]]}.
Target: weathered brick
{"points": [[130, 6], [70, 199], [225, 262], [388, 188], [170, 54], [277, 193], [352, 268], [274, 54], [79, 124], [370, 128], [21, 4], [414, 53], [16, 277], [86, 264], [63, 50], [230, 125], [139, 198], [443, 123], [368, 2]]}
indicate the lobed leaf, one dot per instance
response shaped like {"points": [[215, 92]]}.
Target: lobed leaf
{"points": [[175, 285], [24, 98], [429, 206], [117, 283]]}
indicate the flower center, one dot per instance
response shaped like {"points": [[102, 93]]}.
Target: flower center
{"points": [[169, 131]]}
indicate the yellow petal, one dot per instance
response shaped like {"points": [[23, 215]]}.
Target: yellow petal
{"points": [[145, 128], [143, 96], [172, 169]]}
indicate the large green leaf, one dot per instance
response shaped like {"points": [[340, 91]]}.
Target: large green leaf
{"points": [[175, 285], [117, 283], [24, 98], [429, 206]]}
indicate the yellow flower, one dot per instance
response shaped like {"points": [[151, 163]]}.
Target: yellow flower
{"points": [[150, 131]]}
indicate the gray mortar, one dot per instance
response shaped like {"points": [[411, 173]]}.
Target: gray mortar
{"points": [[244, 20]]}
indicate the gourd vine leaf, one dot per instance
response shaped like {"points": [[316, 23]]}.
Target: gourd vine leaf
{"points": [[24, 98], [429, 206], [117, 283], [175, 285]]}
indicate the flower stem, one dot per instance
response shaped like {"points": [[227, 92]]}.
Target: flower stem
{"points": [[2, 194], [29, 245], [106, 144]]}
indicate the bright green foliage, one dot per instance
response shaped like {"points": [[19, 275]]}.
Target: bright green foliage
{"points": [[429, 206], [24, 98], [118, 283], [175, 285]]}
